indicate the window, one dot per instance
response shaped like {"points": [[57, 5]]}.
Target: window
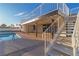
{"points": [[33, 27], [45, 26], [52, 29]]}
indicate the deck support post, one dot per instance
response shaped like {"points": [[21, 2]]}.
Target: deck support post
{"points": [[36, 30]]}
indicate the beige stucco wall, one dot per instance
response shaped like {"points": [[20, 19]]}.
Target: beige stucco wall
{"points": [[28, 28], [24, 28], [39, 28]]}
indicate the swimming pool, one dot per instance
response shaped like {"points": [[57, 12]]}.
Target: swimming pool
{"points": [[4, 36]]}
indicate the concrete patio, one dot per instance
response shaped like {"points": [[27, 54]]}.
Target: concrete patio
{"points": [[21, 47]]}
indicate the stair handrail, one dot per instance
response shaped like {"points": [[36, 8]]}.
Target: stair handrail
{"points": [[52, 24], [75, 36], [55, 36]]}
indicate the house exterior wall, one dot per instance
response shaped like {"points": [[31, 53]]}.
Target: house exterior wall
{"points": [[38, 32], [25, 28], [39, 28]]}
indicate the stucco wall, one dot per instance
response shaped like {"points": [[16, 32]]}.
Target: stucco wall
{"points": [[24, 28], [39, 26]]}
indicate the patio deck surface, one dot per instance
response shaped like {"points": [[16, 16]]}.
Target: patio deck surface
{"points": [[27, 36], [21, 47]]}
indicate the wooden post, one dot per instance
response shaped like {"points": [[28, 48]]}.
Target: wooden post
{"points": [[28, 28], [36, 30]]}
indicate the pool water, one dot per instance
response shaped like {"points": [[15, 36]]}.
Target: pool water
{"points": [[4, 36]]}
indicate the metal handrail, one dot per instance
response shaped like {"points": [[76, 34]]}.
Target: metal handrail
{"points": [[75, 35], [45, 41], [55, 38], [40, 7]]}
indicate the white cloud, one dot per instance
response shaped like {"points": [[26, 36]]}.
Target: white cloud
{"points": [[19, 14]]}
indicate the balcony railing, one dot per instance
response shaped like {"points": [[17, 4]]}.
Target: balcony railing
{"points": [[46, 8]]}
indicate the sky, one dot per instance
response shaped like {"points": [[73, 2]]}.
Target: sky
{"points": [[13, 13], [72, 5]]}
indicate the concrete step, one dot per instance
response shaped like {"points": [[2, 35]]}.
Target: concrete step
{"points": [[55, 52], [64, 50]]}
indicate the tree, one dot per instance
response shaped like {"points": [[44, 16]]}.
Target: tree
{"points": [[3, 25], [12, 25]]}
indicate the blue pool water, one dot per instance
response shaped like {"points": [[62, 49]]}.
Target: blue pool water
{"points": [[4, 36]]}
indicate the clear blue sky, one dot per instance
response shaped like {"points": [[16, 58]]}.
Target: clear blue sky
{"points": [[72, 5], [11, 13]]}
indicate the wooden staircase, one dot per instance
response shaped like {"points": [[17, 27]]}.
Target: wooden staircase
{"points": [[63, 44]]}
